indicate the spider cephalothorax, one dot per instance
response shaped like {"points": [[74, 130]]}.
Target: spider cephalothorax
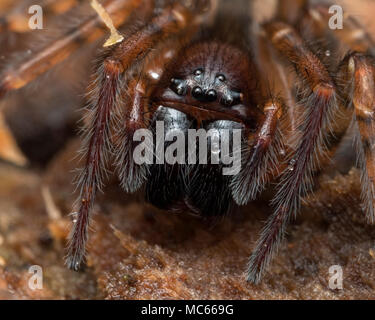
{"points": [[203, 85], [207, 76], [205, 65]]}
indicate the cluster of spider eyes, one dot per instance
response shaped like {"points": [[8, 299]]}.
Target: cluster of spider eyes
{"points": [[210, 95], [200, 71]]}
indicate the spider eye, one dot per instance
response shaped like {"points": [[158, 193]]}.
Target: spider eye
{"points": [[198, 72], [200, 95], [178, 86], [211, 95], [233, 98], [221, 77], [197, 93]]}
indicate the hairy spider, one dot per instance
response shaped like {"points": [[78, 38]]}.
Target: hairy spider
{"points": [[206, 64]]}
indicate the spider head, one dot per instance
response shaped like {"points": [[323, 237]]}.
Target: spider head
{"points": [[212, 81]]}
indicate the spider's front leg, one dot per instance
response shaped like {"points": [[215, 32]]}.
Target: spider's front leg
{"points": [[136, 114], [261, 157], [96, 150], [320, 105], [109, 85], [358, 72], [132, 119]]}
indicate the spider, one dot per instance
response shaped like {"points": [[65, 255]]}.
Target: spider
{"points": [[294, 86]]}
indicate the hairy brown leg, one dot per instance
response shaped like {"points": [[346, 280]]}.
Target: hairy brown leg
{"points": [[18, 75], [173, 19], [131, 174], [109, 85], [356, 75], [332, 45], [90, 179], [260, 161], [265, 164], [320, 104], [137, 113], [280, 81], [358, 71]]}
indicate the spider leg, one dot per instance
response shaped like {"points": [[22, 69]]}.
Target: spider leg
{"points": [[137, 113], [109, 82], [266, 162], [21, 73], [361, 94], [317, 126], [104, 101], [278, 80], [320, 105], [358, 89], [174, 19], [260, 161], [131, 174]]}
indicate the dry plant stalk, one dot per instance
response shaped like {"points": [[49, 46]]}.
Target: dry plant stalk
{"points": [[115, 36]]}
